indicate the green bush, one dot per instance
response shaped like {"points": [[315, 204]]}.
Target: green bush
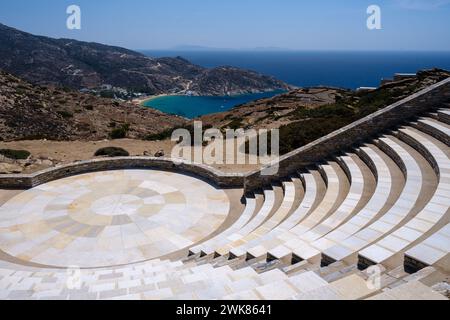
{"points": [[107, 94], [34, 137], [236, 124], [120, 133], [65, 114], [163, 135], [299, 134], [15, 154], [111, 152]]}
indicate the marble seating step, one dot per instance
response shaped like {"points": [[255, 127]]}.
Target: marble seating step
{"points": [[313, 196], [251, 206], [432, 214], [266, 211], [434, 128], [334, 196], [283, 212], [430, 252], [304, 250], [396, 215], [383, 197]]}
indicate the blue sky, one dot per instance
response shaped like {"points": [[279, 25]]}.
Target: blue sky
{"points": [[244, 24]]}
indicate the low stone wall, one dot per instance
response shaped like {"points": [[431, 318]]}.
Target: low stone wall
{"points": [[347, 138], [215, 177]]}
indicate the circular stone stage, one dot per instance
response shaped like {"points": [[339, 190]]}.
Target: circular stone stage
{"points": [[110, 218]]}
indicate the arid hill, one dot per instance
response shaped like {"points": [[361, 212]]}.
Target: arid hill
{"points": [[44, 112]]}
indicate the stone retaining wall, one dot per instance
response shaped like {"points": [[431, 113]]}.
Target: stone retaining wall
{"points": [[217, 178], [363, 130]]}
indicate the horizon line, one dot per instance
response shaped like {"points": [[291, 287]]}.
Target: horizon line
{"points": [[288, 50]]}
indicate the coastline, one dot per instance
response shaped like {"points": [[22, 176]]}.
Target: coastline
{"points": [[197, 106], [142, 101]]}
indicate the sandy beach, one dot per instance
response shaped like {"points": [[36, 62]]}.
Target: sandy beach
{"points": [[142, 101]]}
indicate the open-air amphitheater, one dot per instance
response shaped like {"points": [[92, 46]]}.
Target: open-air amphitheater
{"points": [[362, 213]]}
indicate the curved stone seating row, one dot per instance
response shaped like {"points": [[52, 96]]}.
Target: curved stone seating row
{"points": [[393, 209], [431, 251], [396, 214], [280, 215], [436, 129], [375, 206], [270, 241], [264, 213], [434, 212], [346, 209], [333, 180], [251, 205], [303, 250], [306, 205]]}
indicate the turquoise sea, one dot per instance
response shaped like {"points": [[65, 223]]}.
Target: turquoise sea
{"points": [[192, 107], [302, 69]]}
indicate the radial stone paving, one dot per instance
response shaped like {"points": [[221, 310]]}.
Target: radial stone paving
{"points": [[110, 218]]}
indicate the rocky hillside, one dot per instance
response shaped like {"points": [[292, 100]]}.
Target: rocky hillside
{"points": [[45, 112], [304, 115], [76, 64], [273, 112]]}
